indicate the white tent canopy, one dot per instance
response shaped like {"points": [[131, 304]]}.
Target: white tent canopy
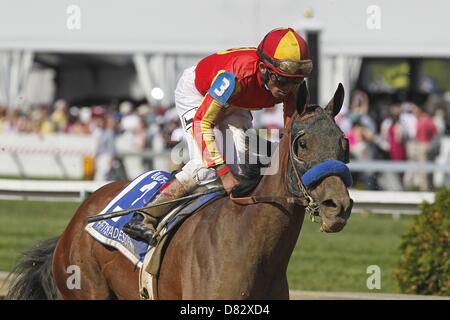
{"points": [[198, 26], [158, 33]]}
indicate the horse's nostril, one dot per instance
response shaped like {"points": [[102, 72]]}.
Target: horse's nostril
{"points": [[329, 203]]}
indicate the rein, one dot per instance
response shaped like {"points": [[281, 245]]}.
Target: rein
{"points": [[311, 206]]}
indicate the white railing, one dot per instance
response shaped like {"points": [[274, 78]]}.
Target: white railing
{"points": [[390, 202], [61, 156], [384, 202], [398, 166], [47, 190]]}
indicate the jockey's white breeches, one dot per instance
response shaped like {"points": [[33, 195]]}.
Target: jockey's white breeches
{"points": [[229, 133]]}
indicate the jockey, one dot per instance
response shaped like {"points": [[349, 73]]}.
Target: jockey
{"points": [[217, 94]]}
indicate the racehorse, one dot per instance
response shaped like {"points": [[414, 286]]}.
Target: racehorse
{"points": [[225, 250]]}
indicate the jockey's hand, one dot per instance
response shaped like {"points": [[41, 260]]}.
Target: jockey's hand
{"points": [[229, 181]]}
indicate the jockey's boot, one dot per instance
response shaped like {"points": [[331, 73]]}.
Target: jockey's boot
{"points": [[144, 226]]}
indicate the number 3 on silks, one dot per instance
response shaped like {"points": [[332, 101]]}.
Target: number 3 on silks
{"points": [[223, 87]]}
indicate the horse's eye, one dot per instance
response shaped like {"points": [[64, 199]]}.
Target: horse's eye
{"points": [[302, 144]]}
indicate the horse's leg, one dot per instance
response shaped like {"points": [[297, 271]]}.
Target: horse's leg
{"points": [[103, 273], [280, 290]]}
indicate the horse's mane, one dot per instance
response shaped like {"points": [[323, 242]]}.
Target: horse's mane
{"points": [[249, 177], [249, 174]]}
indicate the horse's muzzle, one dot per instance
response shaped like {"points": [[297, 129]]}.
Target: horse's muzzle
{"points": [[335, 214]]}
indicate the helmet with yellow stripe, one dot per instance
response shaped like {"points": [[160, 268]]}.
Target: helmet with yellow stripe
{"points": [[286, 53]]}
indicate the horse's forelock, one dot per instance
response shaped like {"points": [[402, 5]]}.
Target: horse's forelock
{"points": [[312, 116], [316, 121]]}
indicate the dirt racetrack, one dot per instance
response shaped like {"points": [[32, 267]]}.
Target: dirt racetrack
{"points": [[308, 295]]}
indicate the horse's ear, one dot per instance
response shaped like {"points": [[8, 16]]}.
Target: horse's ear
{"points": [[302, 98], [334, 106]]}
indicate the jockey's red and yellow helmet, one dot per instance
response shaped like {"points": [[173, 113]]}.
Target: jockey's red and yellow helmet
{"points": [[285, 52]]}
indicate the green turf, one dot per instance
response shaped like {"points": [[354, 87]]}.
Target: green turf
{"points": [[24, 222], [338, 262], [324, 262]]}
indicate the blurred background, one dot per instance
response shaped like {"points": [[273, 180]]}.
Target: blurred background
{"points": [[86, 96]]}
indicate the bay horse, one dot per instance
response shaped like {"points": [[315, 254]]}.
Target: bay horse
{"points": [[224, 250]]}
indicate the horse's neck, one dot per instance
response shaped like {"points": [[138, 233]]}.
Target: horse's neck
{"points": [[282, 223], [274, 181]]}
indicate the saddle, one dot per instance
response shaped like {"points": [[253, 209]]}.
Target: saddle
{"points": [[139, 192], [165, 230]]}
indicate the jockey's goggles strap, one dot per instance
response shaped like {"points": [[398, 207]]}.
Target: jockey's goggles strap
{"points": [[288, 67]]}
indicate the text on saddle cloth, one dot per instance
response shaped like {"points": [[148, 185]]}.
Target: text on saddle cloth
{"points": [[109, 231], [136, 195]]}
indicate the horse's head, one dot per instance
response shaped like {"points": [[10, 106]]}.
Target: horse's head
{"points": [[318, 153]]}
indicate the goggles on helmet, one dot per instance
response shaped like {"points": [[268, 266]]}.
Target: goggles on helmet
{"points": [[288, 67], [283, 81]]}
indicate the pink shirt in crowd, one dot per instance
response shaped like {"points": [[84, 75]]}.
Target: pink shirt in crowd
{"points": [[426, 129], [395, 139]]}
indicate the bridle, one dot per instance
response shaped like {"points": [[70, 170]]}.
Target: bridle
{"points": [[305, 199], [312, 207]]}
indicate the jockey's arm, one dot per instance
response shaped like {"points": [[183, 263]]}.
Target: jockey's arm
{"points": [[202, 129], [205, 119]]}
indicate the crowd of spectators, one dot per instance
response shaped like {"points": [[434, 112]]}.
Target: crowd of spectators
{"points": [[406, 132], [141, 128], [60, 118], [398, 131]]}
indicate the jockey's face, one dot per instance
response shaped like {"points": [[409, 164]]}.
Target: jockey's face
{"points": [[279, 86]]}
